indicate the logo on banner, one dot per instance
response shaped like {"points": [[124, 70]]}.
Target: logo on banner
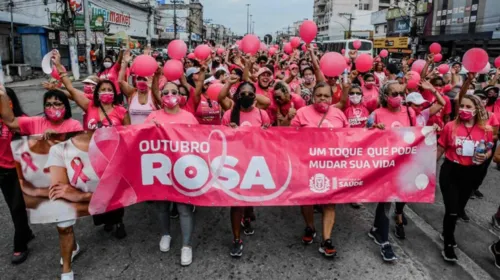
{"points": [[319, 183]]}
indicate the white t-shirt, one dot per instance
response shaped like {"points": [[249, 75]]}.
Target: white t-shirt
{"points": [[32, 164], [423, 117], [67, 155]]}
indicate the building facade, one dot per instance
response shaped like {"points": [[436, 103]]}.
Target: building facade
{"points": [[181, 18]]}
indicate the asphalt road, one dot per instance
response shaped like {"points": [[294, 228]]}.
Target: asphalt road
{"points": [[274, 252]]}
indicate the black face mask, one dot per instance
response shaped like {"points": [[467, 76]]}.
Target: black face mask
{"points": [[247, 101]]}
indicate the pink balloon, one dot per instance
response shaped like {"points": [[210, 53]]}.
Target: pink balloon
{"points": [[497, 62], [250, 44], [418, 65], [191, 56], [342, 51], [356, 44], [364, 62], [214, 90], [177, 49], [272, 51], [202, 52], [475, 60], [443, 69], [220, 51], [295, 42], [144, 65], [308, 31], [55, 73], [414, 75], [347, 60], [304, 48], [332, 64], [412, 84], [288, 48], [384, 53], [263, 47], [435, 48], [438, 57], [173, 70]]}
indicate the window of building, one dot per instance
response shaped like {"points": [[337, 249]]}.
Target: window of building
{"points": [[367, 7], [385, 28]]}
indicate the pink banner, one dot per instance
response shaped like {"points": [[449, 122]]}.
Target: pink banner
{"points": [[219, 166]]}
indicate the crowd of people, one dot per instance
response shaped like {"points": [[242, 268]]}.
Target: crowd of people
{"points": [[262, 91]]}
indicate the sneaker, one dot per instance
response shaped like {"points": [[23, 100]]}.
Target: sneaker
{"points": [[327, 248], [449, 254], [309, 235], [247, 226], [237, 249], [165, 243], [186, 256], [67, 276], [73, 255], [496, 255], [174, 213], [453, 242], [495, 222], [19, 257], [387, 252], [399, 231], [478, 194], [375, 235], [356, 205], [120, 232], [109, 227], [464, 217]]}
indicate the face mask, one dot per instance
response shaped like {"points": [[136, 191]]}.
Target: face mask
{"points": [[170, 101], [394, 102], [246, 101], [107, 65], [321, 107], [470, 92], [308, 80], [183, 100], [106, 97], [355, 99], [465, 114], [369, 85], [87, 89], [55, 114], [142, 85]]}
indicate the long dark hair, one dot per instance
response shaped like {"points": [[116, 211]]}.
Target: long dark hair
{"points": [[97, 102], [235, 112], [16, 105], [102, 68], [59, 95]]}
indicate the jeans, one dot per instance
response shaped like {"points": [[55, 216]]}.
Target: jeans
{"points": [[456, 182], [9, 183], [382, 218], [109, 218], [186, 217]]}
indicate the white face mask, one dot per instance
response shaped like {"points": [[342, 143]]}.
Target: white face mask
{"points": [[107, 64], [355, 99], [470, 92]]}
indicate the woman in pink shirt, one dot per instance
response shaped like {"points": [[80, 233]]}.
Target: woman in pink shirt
{"points": [[9, 183], [172, 114], [284, 105], [306, 88], [243, 113], [293, 79], [391, 114], [110, 70], [370, 92], [320, 114], [355, 111]]}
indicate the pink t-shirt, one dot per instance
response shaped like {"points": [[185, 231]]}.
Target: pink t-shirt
{"points": [[295, 102], [295, 84], [112, 75], [370, 98], [453, 136], [256, 117], [395, 119], [438, 118], [207, 114], [266, 92], [6, 158], [233, 89], [190, 104], [495, 109], [309, 117], [93, 117], [38, 125], [357, 115], [493, 121], [161, 117]]}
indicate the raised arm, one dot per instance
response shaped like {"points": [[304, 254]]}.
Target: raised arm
{"points": [[225, 102], [155, 88], [317, 71], [247, 71], [426, 85], [495, 78], [76, 94], [6, 112], [346, 87], [463, 90], [428, 62], [127, 89]]}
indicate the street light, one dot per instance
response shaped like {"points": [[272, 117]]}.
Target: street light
{"points": [[250, 23]]}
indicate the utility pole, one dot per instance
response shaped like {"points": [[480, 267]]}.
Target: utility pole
{"points": [[250, 24], [150, 14], [11, 5], [350, 23], [189, 25], [73, 53], [88, 33], [175, 19], [248, 13], [253, 27]]}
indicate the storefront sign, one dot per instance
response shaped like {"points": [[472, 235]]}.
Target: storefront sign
{"points": [[110, 16], [395, 13], [405, 51], [391, 42], [402, 26]]}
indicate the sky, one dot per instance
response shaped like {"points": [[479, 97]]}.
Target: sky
{"points": [[269, 15]]}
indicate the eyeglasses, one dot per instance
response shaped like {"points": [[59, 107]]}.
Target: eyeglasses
{"points": [[167, 92], [355, 93], [54, 104], [396, 94]]}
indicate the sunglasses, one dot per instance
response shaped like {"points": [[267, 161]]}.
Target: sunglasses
{"points": [[167, 92], [396, 94], [54, 104], [355, 93]]}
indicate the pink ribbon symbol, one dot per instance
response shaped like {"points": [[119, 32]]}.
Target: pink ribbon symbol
{"points": [[26, 157], [77, 166]]}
